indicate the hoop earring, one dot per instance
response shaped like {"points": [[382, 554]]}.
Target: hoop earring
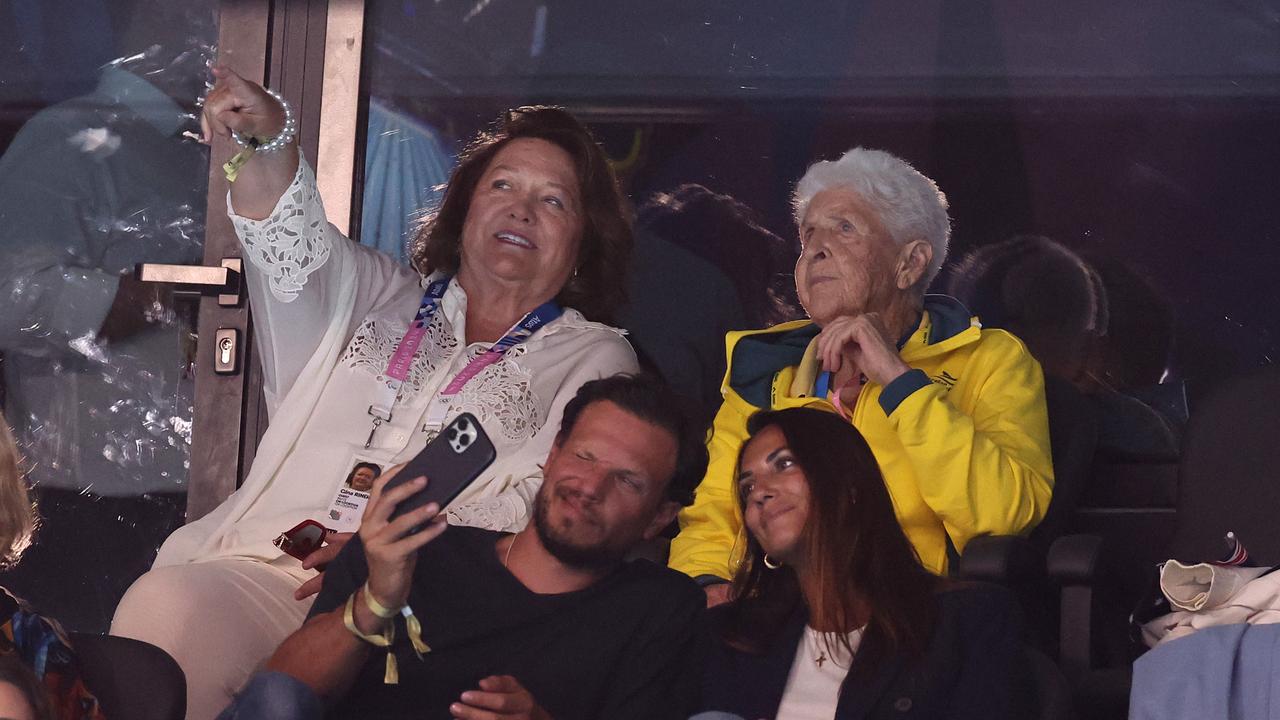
{"points": [[770, 563]]}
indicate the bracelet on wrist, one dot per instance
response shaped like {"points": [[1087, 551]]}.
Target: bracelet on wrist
{"points": [[391, 676], [376, 607], [412, 624], [283, 138]]}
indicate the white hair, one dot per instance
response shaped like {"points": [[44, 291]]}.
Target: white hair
{"points": [[910, 205]]}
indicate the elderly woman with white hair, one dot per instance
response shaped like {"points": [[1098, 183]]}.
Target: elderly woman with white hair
{"points": [[954, 413]]}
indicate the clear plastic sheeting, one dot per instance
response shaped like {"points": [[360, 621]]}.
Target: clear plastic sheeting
{"points": [[100, 171], [670, 50]]}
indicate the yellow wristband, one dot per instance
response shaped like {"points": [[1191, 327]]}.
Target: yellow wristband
{"points": [[382, 639], [376, 607], [391, 676], [420, 646]]}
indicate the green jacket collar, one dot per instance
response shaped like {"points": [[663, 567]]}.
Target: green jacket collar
{"points": [[755, 356]]}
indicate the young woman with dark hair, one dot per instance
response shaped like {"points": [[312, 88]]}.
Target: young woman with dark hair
{"points": [[834, 616]]}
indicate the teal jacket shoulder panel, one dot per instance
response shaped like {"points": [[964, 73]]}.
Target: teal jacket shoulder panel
{"points": [[758, 356]]}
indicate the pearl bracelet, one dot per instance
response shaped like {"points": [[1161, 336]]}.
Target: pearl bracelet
{"points": [[286, 135]]}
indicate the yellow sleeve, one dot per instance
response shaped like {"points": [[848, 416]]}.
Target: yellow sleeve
{"points": [[985, 470], [709, 528]]}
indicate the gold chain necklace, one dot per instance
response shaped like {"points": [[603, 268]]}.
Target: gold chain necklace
{"points": [[506, 559]]}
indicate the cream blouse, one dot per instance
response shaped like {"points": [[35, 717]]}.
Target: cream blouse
{"points": [[328, 314]]}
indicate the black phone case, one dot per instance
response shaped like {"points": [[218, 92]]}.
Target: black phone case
{"points": [[451, 462]]}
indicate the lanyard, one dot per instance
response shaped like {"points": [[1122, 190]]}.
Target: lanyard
{"points": [[823, 385], [519, 332], [402, 358]]}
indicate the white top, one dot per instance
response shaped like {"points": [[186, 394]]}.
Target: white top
{"points": [[813, 687], [328, 315]]}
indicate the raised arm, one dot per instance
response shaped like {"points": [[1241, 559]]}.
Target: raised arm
{"points": [[308, 284], [325, 654], [237, 104]]}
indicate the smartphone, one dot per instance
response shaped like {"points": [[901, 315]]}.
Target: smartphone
{"points": [[451, 462]]}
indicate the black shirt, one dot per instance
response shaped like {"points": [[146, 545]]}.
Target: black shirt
{"points": [[626, 647]]}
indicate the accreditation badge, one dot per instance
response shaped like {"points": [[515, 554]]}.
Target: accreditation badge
{"points": [[353, 494]]}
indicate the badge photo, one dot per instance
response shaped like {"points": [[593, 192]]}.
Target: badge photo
{"points": [[349, 501]]}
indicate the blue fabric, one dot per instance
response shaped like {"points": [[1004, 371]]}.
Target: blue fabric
{"points": [[274, 696], [405, 166], [1228, 671]]}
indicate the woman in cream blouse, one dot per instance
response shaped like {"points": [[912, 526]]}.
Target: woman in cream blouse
{"points": [[532, 225]]}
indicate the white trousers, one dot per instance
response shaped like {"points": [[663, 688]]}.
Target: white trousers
{"points": [[220, 620]]}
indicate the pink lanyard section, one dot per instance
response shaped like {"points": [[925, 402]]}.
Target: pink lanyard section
{"points": [[402, 358]]}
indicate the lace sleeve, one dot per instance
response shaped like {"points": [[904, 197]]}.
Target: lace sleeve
{"points": [[291, 244], [306, 279], [296, 264]]}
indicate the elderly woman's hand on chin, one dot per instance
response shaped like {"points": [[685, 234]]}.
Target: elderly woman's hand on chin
{"points": [[863, 341]]}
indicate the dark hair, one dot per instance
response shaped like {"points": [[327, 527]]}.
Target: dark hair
{"points": [[599, 286], [728, 234], [1140, 326], [859, 554], [651, 400], [377, 469], [1041, 291], [16, 673]]}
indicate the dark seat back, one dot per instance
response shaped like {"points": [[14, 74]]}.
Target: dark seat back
{"points": [[132, 679], [1073, 438], [1229, 477], [1051, 695]]}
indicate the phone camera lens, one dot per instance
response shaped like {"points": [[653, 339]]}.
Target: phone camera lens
{"points": [[465, 440], [453, 434]]}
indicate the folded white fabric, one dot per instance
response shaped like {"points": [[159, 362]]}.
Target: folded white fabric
{"points": [[1203, 586], [1224, 596]]}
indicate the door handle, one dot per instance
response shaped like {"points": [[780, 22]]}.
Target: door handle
{"points": [[225, 281]]}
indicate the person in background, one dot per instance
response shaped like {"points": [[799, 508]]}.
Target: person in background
{"points": [[833, 614], [702, 265], [1063, 308], [33, 648], [96, 370], [365, 360], [955, 413]]}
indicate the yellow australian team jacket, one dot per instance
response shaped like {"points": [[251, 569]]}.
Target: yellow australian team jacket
{"points": [[962, 439]]}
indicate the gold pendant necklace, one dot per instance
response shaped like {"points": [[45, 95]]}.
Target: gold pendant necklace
{"points": [[818, 648], [506, 559]]}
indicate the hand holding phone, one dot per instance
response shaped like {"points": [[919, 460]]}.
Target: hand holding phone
{"points": [[406, 509], [451, 461], [391, 546]]}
